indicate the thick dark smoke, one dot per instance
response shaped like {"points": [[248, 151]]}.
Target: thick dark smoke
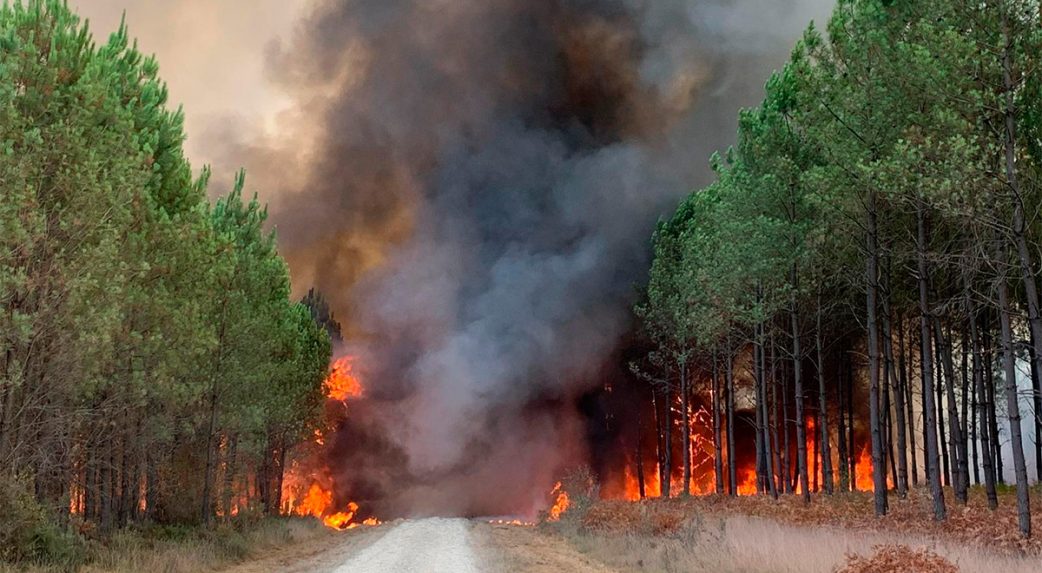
{"points": [[474, 183]]}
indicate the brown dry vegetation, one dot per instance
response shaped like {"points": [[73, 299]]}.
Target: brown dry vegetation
{"points": [[973, 524], [888, 558], [720, 534]]}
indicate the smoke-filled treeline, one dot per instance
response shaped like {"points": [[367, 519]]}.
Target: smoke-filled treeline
{"points": [[472, 185], [150, 356], [874, 234]]}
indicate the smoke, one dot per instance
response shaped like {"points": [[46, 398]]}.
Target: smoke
{"points": [[474, 184]]}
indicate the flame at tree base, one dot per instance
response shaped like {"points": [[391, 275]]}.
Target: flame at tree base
{"points": [[342, 385]]}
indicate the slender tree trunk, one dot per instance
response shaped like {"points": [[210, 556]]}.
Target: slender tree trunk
{"points": [[1013, 405], [640, 455], [913, 462], [964, 413], [732, 467], [797, 381], [871, 307], [990, 405], [779, 461], [939, 388], [954, 424], [982, 399], [851, 419], [718, 453], [900, 384], [933, 474], [685, 431], [1036, 402], [841, 434], [667, 444], [823, 409]]}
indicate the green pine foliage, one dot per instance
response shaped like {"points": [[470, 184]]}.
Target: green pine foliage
{"points": [[902, 117], [144, 334]]}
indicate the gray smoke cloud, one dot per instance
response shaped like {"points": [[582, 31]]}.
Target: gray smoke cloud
{"points": [[474, 184]]}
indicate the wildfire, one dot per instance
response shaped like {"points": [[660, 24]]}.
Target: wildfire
{"points": [[318, 501], [561, 503], [342, 384]]}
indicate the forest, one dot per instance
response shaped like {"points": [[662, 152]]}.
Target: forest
{"points": [[152, 363], [872, 237], [852, 303]]}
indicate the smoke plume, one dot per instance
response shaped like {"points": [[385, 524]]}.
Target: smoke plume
{"points": [[474, 183]]}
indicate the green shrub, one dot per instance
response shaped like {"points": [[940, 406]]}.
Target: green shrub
{"points": [[30, 533]]}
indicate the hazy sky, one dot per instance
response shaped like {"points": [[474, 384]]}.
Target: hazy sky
{"points": [[211, 53]]}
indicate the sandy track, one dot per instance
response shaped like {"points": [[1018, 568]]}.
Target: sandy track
{"points": [[435, 545], [423, 546]]}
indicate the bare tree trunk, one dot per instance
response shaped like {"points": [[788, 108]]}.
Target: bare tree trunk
{"points": [[718, 457], [1036, 402], [640, 454], [982, 399], [939, 388], [933, 473], [910, 403], [871, 307], [823, 409], [732, 467], [778, 460], [768, 454], [797, 381], [841, 433], [900, 383], [954, 426], [1013, 405], [685, 431], [990, 405]]}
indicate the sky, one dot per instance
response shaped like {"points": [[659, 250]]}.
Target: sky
{"points": [[211, 54]]}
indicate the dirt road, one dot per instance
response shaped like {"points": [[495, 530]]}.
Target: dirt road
{"points": [[435, 545]]}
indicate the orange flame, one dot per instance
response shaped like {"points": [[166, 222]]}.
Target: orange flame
{"points": [[561, 503], [342, 383]]}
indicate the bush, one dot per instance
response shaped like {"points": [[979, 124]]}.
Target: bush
{"points": [[30, 533]]}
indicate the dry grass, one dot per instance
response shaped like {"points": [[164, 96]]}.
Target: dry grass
{"points": [[720, 544], [723, 534], [973, 524], [187, 551]]}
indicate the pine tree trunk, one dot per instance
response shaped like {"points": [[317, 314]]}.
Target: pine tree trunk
{"points": [[841, 433], [768, 454], [954, 426], [913, 461], [939, 389], [718, 457], [933, 470], [732, 466], [871, 307], [900, 384], [823, 409], [1013, 405], [797, 382], [685, 431], [640, 454], [1036, 401], [982, 410]]}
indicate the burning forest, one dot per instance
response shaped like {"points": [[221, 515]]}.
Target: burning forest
{"points": [[511, 262]]}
